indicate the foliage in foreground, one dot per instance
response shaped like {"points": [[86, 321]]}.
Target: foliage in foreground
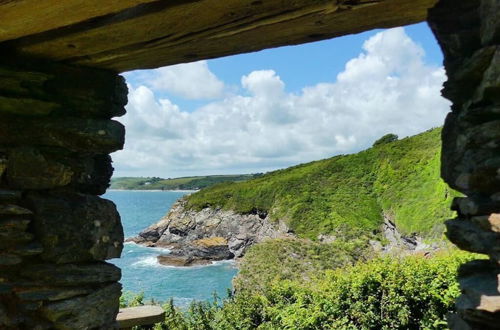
{"points": [[350, 193], [295, 259], [385, 293]]}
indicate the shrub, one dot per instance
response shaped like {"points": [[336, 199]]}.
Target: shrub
{"points": [[385, 293], [388, 138], [295, 259]]}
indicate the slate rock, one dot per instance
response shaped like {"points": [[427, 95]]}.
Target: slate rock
{"points": [[7, 259], [73, 274], [9, 196], [26, 106], [14, 225], [11, 209], [50, 293], [82, 92], [9, 240], [471, 237], [22, 174], [29, 249], [56, 167], [76, 227], [97, 309], [3, 164], [74, 134]]}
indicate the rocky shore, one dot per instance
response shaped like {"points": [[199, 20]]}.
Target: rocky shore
{"points": [[200, 237]]}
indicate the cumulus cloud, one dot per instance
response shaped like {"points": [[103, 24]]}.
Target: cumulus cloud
{"points": [[387, 88], [191, 81]]}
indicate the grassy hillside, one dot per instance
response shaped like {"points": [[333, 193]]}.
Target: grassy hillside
{"points": [[348, 194], [185, 183]]}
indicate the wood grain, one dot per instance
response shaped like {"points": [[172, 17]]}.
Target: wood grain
{"points": [[162, 33]]}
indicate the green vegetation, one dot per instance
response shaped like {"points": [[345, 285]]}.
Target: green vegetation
{"points": [[295, 259], [185, 183], [388, 138], [385, 293], [348, 195], [301, 283]]}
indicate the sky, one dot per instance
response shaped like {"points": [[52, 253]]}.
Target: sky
{"points": [[279, 107]]}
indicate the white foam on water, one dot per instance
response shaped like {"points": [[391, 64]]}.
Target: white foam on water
{"points": [[223, 262], [211, 264], [160, 250], [155, 190], [147, 262]]}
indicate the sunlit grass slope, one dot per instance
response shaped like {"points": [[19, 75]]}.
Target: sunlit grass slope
{"points": [[348, 194]]}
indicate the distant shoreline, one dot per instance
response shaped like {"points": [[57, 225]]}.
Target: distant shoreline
{"points": [[153, 190]]}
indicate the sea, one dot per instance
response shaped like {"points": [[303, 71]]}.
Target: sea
{"points": [[141, 272]]}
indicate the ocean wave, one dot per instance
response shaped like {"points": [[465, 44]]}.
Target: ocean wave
{"points": [[230, 262], [147, 262], [160, 250], [154, 190]]}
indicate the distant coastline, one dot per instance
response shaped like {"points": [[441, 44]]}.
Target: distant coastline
{"points": [[155, 190], [193, 183]]}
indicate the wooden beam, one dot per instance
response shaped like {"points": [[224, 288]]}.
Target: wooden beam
{"points": [[20, 18], [170, 32]]}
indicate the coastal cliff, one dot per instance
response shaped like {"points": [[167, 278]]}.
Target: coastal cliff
{"points": [[200, 237], [377, 195]]}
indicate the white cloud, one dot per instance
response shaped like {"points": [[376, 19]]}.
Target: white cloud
{"points": [[192, 81], [387, 88]]}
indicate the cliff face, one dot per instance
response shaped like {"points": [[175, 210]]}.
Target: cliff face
{"points": [[210, 234]]}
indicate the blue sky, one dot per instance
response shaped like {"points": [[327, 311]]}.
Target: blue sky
{"points": [[278, 107], [302, 65], [308, 64]]}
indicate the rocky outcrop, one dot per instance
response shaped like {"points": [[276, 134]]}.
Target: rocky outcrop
{"points": [[210, 234], [199, 252]]}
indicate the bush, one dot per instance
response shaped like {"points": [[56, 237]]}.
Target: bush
{"points": [[388, 138], [295, 259], [386, 293]]}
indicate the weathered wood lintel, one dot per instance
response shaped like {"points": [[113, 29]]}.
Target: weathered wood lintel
{"points": [[186, 31]]}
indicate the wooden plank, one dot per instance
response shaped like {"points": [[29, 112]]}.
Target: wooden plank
{"points": [[141, 315], [186, 31], [21, 18], [171, 24], [281, 30]]}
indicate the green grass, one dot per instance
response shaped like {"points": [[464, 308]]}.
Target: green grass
{"points": [[188, 183], [348, 194]]}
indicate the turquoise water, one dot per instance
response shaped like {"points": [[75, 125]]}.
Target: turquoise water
{"points": [[140, 270]]}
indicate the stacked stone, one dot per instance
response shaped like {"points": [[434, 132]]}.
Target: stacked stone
{"points": [[469, 35], [56, 134]]}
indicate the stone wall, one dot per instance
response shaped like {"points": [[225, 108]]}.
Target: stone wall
{"points": [[469, 35], [56, 134]]}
